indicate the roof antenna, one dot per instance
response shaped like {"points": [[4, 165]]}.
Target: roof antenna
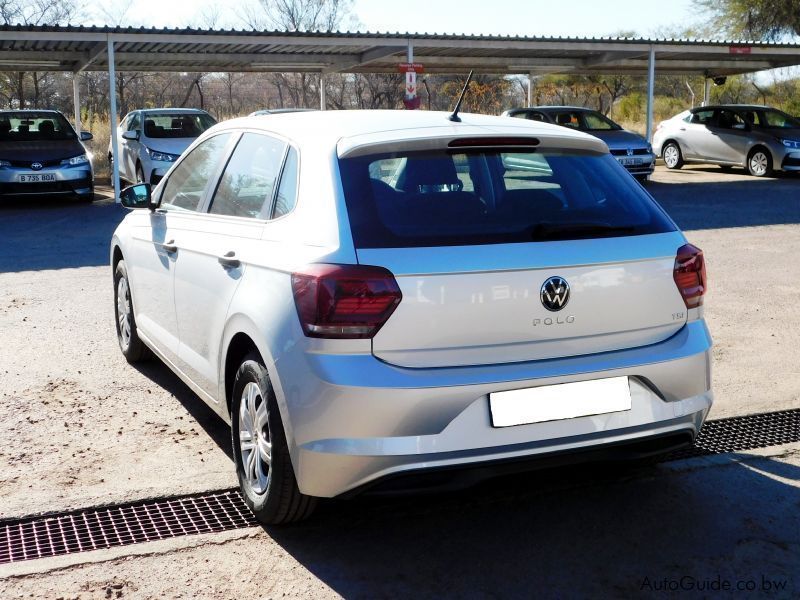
{"points": [[454, 117]]}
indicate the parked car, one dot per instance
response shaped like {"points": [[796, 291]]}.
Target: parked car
{"points": [[758, 138], [366, 296], [631, 150], [149, 141], [278, 111], [40, 154]]}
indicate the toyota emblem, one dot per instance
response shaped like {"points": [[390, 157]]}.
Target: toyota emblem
{"points": [[555, 293], [36, 166]]}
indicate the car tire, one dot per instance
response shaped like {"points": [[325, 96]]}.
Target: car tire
{"points": [[268, 484], [133, 348], [673, 158], [140, 174], [759, 163]]}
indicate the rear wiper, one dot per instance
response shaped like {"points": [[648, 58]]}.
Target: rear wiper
{"points": [[555, 231]]}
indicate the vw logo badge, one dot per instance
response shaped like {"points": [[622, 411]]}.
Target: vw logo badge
{"points": [[36, 166], [555, 293], [629, 151]]}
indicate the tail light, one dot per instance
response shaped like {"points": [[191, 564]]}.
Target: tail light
{"points": [[690, 275], [344, 301]]}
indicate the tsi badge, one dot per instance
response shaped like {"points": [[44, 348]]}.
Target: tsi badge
{"points": [[554, 295]]}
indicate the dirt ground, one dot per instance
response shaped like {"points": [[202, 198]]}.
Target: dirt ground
{"points": [[80, 427]]}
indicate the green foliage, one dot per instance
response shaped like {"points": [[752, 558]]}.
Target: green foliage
{"points": [[755, 19]]}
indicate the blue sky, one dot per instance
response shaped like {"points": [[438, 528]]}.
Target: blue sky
{"points": [[505, 17]]}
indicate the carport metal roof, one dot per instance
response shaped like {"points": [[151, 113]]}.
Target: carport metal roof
{"points": [[72, 48], [78, 48]]}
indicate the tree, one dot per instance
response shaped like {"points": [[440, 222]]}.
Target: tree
{"points": [[755, 19], [30, 12]]}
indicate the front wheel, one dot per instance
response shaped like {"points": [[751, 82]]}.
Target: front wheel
{"points": [[132, 347], [759, 163], [673, 158], [263, 465]]}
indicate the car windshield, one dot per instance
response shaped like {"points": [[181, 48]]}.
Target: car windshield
{"points": [[24, 126], [585, 120], [176, 125], [448, 198], [775, 119]]}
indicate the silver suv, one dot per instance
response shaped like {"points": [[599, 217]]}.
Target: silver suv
{"points": [[370, 295], [758, 138]]}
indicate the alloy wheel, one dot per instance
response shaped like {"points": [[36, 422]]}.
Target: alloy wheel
{"points": [[255, 446], [124, 311], [671, 156], [759, 164]]}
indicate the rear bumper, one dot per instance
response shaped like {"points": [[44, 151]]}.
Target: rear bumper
{"points": [[354, 420]]}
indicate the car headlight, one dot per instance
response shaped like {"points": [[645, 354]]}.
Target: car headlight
{"points": [[791, 144], [4, 163], [76, 160], [160, 156]]}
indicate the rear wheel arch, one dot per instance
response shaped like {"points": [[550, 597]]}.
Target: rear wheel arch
{"points": [[664, 145], [238, 348]]}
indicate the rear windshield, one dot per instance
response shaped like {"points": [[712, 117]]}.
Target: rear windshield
{"points": [[447, 198], [176, 125], [34, 127]]}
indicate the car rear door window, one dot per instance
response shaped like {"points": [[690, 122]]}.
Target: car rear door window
{"points": [[444, 198], [186, 186], [247, 184], [702, 117]]}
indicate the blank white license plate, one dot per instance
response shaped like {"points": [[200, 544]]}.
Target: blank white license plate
{"points": [[557, 402], [36, 177], [630, 162]]}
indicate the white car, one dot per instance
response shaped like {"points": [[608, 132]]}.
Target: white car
{"points": [[150, 141], [370, 295]]}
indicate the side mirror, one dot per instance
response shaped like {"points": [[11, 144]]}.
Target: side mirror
{"points": [[86, 136], [137, 196], [130, 135]]}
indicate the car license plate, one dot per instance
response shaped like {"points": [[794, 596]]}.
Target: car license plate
{"points": [[630, 162], [557, 402], [36, 177]]}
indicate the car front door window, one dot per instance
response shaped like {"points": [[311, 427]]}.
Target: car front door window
{"points": [[185, 189]]}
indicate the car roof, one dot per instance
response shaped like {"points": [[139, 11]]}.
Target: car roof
{"points": [[733, 106], [330, 127], [30, 110], [171, 111]]}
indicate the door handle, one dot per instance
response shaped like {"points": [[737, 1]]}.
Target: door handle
{"points": [[683, 128], [170, 247], [229, 260]]}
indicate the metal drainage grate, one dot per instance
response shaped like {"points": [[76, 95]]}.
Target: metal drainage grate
{"points": [[744, 433], [121, 525], [149, 520]]}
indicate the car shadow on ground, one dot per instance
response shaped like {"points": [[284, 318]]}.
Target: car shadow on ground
{"points": [[212, 424], [38, 234], [736, 201], [591, 531]]}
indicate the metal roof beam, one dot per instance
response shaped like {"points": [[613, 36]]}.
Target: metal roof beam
{"points": [[611, 57], [98, 50], [365, 58]]}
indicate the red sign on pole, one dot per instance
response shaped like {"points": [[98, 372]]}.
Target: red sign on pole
{"points": [[410, 68], [739, 49]]}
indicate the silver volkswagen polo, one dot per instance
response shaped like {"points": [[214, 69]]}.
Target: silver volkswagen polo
{"points": [[371, 296]]}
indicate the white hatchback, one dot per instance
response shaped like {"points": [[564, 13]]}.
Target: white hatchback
{"points": [[367, 296]]}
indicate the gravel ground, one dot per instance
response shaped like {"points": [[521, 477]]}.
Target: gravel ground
{"points": [[80, 427]]}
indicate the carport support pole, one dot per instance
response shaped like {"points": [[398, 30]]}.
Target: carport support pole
{"points": [[76, 101], [530, 89], [322, 98], [707, 92], [651, 80], [112, 99]]}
